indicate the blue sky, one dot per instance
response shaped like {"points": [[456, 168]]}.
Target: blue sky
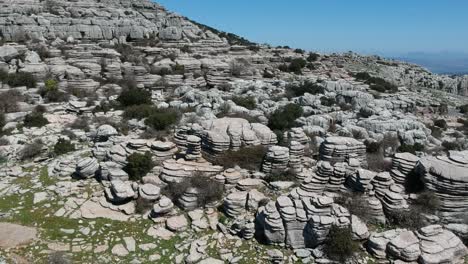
{"points": [[388, 27]]}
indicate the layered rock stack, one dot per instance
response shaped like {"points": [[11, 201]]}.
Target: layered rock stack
{"points": [[296, 153], [235, 204], [381, 182], [361, 180], [394, 201], [178, 170], [429, 245], [402, 165], [189, 199], [341, 149], [276, 159], [87, 168], [447, 177], [163, 150], [193, 151]]}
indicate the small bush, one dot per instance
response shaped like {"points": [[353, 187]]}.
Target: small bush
{"points": [[247, 102], [428, 202], [376, 161], [451, 145], [138, 165], [9, 101], [411, 148], [209, 189], [306, 87], [440, 123], [357, 205], [327, 101], [18, 79], [59, 257], [376, 83], [411, 219], [35, 119], [80, 124], [313, 57], [464, 109], [142, 206], [297, 65], [286, 175], [134, 96], [162, 119], [138, 111], [63, 146], [340, 245], [249, 158], [2, 121], [52, 93], [285, 117], [31, 150]]}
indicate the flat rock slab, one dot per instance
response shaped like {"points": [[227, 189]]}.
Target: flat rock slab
{"points": [[92, 210], [12, 235]]}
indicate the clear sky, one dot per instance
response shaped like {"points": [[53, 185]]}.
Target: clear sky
{"points": [[386, 27]]}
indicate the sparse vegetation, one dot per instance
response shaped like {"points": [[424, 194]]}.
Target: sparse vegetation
{"points": [[285, 117], [32, 150], [301, 89], [295, 66], [411, 148], [249, 158], [134, 96], [161, 119], [138, 165], [287, 175], [209, 190], [247, 102], [18, 79], [9, 101], [35, 119], [340, 245], [376, 83], [80, 124], [63, 146]]}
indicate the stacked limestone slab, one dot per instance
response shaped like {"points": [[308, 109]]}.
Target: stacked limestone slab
{"points": [[447, 177], [341, 149], [402, 165], [429, 245]]}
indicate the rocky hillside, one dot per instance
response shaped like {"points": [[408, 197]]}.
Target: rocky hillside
{"points": [[129, 134]]}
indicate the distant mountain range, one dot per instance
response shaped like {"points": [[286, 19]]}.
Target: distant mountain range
{"points": [[441, 62]]}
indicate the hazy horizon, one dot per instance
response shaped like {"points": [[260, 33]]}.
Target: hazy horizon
{"points": [[392, 29]]}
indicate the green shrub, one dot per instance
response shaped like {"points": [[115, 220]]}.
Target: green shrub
{"points": [[297, 65], [299, 51], [411, 219], [138, 165], [32, 150], [340, 245], [2, 121], [286, 175], [440, 123], [306, 87], [356, 204], [247, 102], [376, 83], [209, 189], [411, 148], [134, 96], [63, 146], [249, 158], [80, 124], [451, 145], [139, 111], [9, 101], [327, 101], [428, 202], [18, 79], [285, 117], [313, 57], [35, 119], [161, 119], [464, 109]]}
